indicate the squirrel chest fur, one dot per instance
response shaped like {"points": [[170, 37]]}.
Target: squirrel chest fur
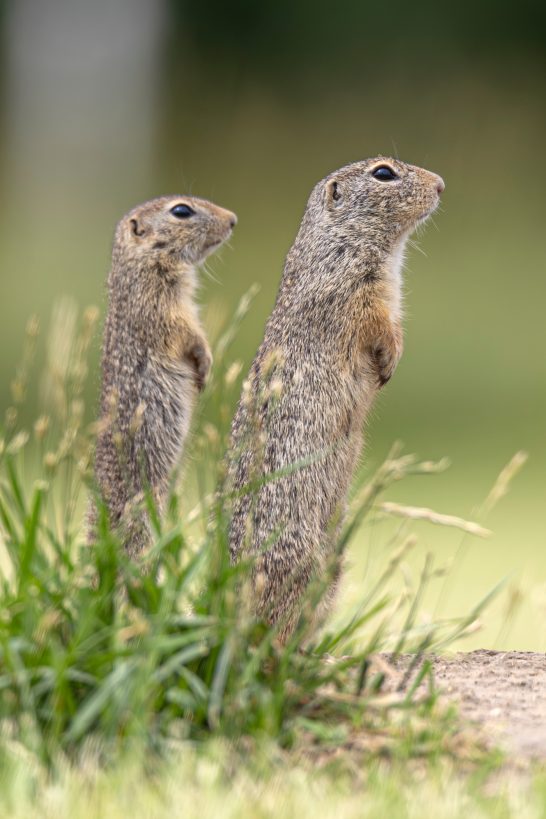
{"points": [[333, 340]]}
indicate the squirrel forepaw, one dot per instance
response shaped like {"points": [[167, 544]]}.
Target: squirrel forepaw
{"points": [[201, 359], [386, 356]]}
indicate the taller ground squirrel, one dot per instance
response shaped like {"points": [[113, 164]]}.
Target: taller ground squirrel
{"points": [[155, 356], [333, 340]]}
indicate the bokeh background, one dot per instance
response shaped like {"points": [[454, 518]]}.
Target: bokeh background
{"points": [[108, 103]]}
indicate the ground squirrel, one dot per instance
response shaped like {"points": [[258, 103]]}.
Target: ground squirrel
{"points": [[155, 355], [333, 339]]}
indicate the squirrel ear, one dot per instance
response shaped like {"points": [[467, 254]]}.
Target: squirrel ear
{"points": [[334, 194], [136, 229]]}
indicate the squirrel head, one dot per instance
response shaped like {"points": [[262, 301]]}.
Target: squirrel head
{"points": [[171, 234], [384, 193], [367, 207]]}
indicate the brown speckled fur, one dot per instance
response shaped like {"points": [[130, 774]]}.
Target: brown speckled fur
{"points": [[155, 356], [336, 333]]}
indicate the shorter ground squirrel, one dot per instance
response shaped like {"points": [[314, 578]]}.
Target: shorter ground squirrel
{"points": [[333, 339], [155, 356]]}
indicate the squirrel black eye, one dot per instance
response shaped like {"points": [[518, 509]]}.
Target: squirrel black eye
{"points": [[182, 211], [384, 174]]}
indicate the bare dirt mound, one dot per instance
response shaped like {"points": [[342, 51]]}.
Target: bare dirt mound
{"points": [[504, 692]]}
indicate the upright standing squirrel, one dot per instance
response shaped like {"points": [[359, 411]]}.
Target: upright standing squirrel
{"points": [[333, 340], [155, 356]]}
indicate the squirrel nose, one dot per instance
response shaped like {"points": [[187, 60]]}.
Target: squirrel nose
{"points": [[232, 219], [440, 185]]}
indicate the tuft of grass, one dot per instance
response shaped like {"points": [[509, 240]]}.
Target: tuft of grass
{"points": [[99, 651]]}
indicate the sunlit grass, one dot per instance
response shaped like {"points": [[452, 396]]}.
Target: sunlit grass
{"points": [[213, 785]]}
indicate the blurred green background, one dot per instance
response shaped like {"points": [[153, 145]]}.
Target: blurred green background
{"points": [[108, 103]]}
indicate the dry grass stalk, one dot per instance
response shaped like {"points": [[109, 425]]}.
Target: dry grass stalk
{"points": [[422, 513]]}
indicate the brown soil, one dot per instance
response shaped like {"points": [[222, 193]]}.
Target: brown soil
{"points": [[504, 692]]}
